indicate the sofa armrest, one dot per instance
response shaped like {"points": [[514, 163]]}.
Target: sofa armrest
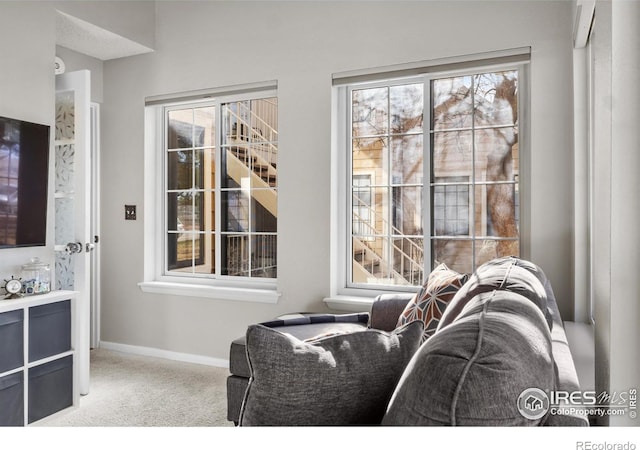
{"points": [[386, 310], [566, 375]]}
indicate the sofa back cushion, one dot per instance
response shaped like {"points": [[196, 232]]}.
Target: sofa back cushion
{"points": [[508, 273], [473, 371], [432, 299], [344, 379]]}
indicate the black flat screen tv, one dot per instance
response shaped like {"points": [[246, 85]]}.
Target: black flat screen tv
{"points": [[24, 178]]}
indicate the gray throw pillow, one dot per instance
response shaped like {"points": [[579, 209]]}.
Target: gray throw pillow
{"points": [[345, 379], [474, 371], [505, 274]]}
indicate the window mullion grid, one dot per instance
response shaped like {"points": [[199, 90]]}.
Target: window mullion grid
{"points": [[426, 176], [217, 235], [250, 218], [193, 189], [389, 228], [165, 189], [472, 193], [350, 254]]}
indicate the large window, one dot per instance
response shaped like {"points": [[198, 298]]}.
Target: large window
{"points": [[443, 153], [219, 190], [221, 175]]}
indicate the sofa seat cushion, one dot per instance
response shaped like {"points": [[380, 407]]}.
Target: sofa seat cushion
{"points": [[473, 371], [509, 274], [432, 299], [344, 379], [302, 326]]}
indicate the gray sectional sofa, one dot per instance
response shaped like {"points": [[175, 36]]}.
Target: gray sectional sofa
{"points": [[499, 347]]}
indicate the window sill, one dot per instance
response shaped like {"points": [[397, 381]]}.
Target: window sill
{"points": [[213, 292], [350, 304]]}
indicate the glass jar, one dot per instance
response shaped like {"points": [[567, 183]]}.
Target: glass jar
{"points": [[36, 277]]}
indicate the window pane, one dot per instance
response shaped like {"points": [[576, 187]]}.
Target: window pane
{"points": [[204, 127], [496, 153], [451, 209], [371, 155], [204, 169], [495, 98], [452, 103], [370, 112], [236, 163], [180, 169], [264, 119], [501, 210], [368, 265], [235, 255], [180, 132], [182, 249], [457, 254], [264, 250], [488, 249], [235, 210], [407, 156], [407, 106], [179, 211], [205, 263], [264, 210], [408, 260], [452, 153], [362, 205], [373, 218], [262, 162], [406, 213]]}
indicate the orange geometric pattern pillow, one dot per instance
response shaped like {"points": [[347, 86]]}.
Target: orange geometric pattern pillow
{"points": [[432, 299]]}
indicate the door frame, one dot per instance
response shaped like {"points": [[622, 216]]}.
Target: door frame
{"points": [[95, 225]]}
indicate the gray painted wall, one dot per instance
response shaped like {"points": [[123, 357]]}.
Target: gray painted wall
{"points": [[625, 192], [203, 45], [27, 87], [77, 61], [617, 189]]}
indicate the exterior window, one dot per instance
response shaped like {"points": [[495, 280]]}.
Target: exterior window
{"points": [[221, 188], [474, 131], [387, 139], [460, 133]]}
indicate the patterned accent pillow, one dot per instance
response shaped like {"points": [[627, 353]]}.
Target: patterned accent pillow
{"points": [[429, 303]]}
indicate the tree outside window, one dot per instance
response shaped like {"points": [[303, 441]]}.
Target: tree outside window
{"points": [[471, 159]]}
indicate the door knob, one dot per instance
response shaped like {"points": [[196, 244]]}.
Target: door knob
{"points": [[73, 247]]}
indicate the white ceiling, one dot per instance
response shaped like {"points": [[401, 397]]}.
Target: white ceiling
{"points": [[84, 37]]}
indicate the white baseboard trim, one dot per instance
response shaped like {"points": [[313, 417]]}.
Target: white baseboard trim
{"points": [[165, 354]]}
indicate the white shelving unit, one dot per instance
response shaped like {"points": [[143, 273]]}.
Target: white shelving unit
{"points": [[49, 367]]}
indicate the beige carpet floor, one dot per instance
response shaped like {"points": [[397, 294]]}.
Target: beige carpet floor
{"points": [[137, 391]]}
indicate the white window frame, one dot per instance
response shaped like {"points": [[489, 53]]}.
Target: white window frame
{"points": [[156, 279], [343, 294]]}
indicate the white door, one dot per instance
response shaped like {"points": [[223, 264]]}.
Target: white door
{"points": [[73, 242]]}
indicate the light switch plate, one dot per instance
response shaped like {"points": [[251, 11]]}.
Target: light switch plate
{"points": [[129, 212]]}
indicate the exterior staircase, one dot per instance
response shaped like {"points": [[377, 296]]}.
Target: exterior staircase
{"points": [[368, 263]]}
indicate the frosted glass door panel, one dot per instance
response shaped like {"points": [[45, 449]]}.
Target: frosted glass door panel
{"points": [[65, 188]]}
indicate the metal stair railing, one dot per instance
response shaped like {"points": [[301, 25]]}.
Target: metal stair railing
{"points": [[267, 147], [411, 264]]}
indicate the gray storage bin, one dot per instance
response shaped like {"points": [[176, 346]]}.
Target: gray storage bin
{"points": [[11, 340], [12, 400], [50, 388], [49, 330]]}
